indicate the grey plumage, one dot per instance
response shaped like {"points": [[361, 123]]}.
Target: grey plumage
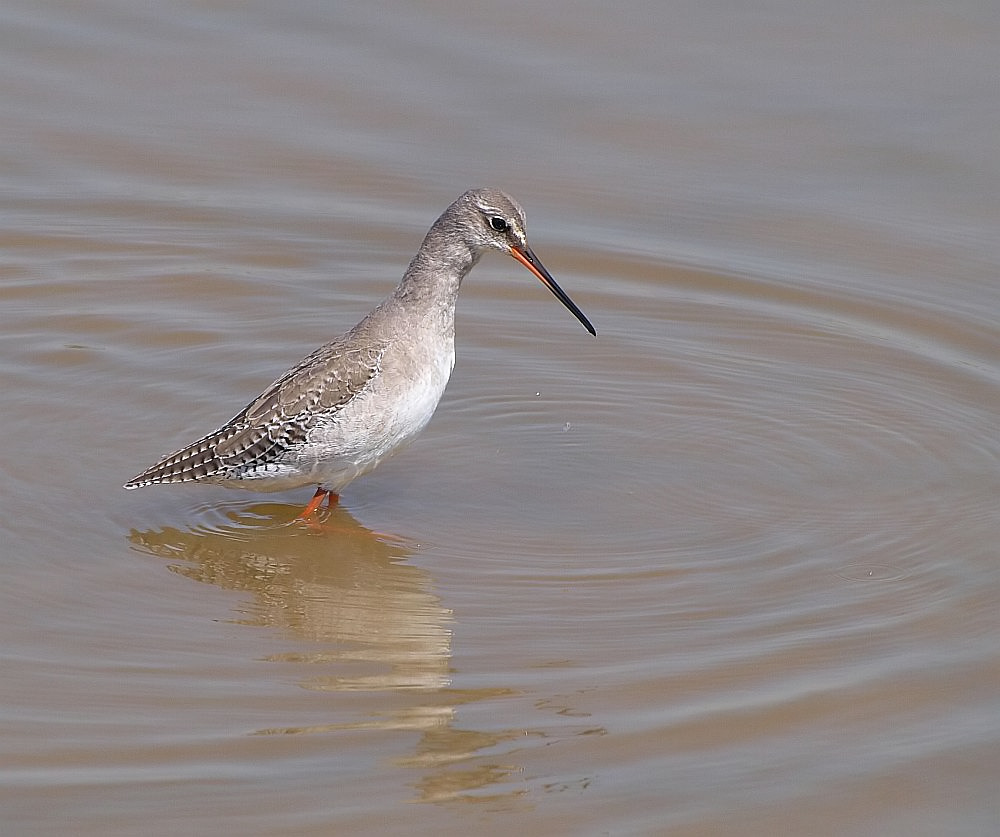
{"points": [[355, 400]]}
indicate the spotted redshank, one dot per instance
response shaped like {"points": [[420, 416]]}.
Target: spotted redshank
{"points": [[353, 402]]}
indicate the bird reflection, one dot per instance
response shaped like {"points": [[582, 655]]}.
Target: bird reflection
{"points": [[372, 615]]}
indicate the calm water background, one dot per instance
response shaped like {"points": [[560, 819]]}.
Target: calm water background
{"points": [[730, 568]]}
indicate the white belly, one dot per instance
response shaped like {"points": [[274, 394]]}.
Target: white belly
{"points": [[375, 424]]}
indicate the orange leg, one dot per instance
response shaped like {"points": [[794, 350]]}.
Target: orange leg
{"points": [[317, 501]]}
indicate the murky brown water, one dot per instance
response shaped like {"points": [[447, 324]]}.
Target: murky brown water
{"points": [[730, 568]]}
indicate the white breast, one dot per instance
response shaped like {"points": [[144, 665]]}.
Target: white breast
{"points": [[376, 423]]}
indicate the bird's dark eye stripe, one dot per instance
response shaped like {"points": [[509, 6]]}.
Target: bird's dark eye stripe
{"points": [[499, 224]]}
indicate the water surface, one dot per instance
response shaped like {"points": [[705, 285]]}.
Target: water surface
{"points": [[730, 568]]}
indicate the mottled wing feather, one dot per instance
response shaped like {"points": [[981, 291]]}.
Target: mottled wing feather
{"points": [[314, 390], [278, 419]]}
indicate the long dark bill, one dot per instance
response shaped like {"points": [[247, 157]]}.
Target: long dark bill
{"points": [[530, 261]]}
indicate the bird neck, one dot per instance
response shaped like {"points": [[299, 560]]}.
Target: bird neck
{"points": [[435, 275]]}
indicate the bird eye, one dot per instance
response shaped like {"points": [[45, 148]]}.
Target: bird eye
{"points": [[499, 224]]}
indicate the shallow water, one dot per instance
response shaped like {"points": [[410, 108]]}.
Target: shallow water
{"points": [[729, 568]]}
